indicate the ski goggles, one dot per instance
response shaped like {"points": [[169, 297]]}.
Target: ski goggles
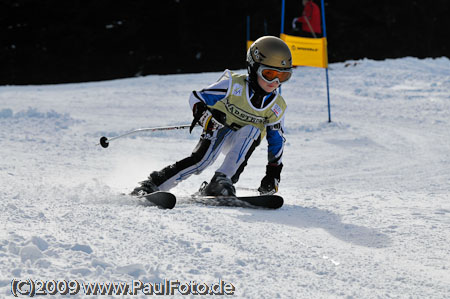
{"points": [[270, 74]]}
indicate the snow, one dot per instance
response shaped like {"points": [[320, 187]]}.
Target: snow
{"points": [[367, 196]]}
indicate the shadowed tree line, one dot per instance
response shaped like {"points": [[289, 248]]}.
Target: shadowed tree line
{"points": [[54, 41]]}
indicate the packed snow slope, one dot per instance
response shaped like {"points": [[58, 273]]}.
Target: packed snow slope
{"points": [[367, 196]]}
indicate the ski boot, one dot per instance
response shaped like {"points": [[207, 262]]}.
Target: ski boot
{"points": [[155, 179], [220, 185], [146, 187]]}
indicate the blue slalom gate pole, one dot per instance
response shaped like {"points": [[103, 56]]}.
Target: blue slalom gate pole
{"points": [[248, 28], [282, 25], [282, 16], [326, 69]]}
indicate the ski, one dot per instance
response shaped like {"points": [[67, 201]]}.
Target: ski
{"points": [[167, 200], [164, 200], [255, 202]]}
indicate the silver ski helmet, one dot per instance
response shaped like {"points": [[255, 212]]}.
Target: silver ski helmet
{"points": [[270, 51]]}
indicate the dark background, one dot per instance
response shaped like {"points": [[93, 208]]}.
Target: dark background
{"points": [[58, 41]]}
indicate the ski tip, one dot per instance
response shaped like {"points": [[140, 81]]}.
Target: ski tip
{"points": [[276, 203], [163, 200], [170, 204]]}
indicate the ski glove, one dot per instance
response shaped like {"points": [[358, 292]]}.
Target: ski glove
{"points": [[270, 182], [204, 117]]}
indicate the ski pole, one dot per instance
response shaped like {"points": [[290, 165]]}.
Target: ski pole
{"points": [[104, 141], [310, 27]]}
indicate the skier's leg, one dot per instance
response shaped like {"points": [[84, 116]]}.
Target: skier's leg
{"points": [[238, 150], [203, 155]]}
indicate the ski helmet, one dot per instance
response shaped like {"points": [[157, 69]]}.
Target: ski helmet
{"points": [[270, 51]]}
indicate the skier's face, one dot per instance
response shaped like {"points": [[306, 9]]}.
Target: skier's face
{"points": [[268, 87]]}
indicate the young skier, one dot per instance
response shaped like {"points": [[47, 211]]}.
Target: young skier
{"points": [[236, 113]]}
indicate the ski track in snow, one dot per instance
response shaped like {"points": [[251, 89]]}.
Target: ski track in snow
{"points": [[366, 214]]}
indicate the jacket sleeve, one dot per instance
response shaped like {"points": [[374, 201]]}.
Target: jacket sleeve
{"points": [[275, 139], [306, 14], [211, 94]]}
